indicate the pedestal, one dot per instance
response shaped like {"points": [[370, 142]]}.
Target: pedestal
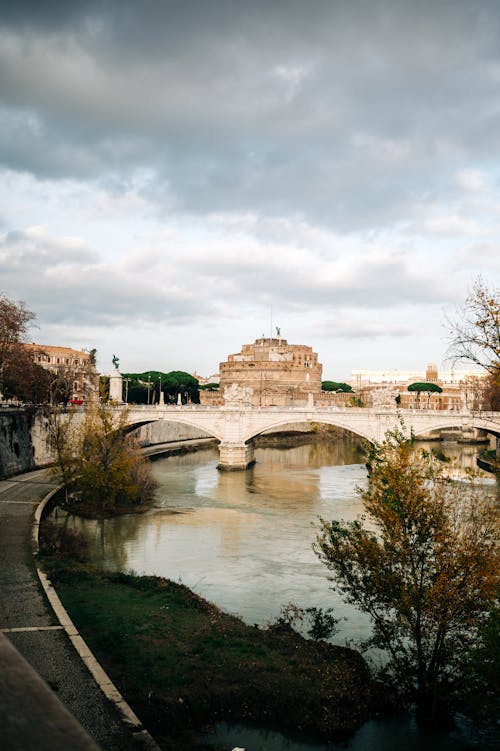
{"points": [[116, 386]]}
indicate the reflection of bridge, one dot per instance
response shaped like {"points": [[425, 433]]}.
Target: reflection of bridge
{"points": [[234, 427]]}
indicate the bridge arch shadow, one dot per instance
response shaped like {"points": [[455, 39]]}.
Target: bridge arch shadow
{"points": [[136, 425], [281, 425]]}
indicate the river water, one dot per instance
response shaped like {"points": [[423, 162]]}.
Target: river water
{"points": [[244, 541]]}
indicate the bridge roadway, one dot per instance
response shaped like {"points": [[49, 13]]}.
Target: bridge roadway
{"points": [[235, 426]]}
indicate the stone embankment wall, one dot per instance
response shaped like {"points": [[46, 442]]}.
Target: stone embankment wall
{"points": [[24, 441], [25, 445], [16, 450]]}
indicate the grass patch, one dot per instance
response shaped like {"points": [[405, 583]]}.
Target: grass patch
{"points": [[183, 664]]}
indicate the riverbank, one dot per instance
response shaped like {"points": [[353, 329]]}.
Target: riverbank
{"points": [[183, 664], [31, 718]]}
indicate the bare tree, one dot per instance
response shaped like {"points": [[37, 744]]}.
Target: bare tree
{"points": [[475, 331]]}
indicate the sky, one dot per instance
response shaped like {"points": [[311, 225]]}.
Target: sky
{"points": [[179, 178]]}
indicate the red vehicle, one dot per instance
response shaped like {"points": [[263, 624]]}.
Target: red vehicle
{"points": [[76, 402]]}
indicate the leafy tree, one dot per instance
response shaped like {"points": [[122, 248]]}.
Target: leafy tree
{"points": [[425, 388], [334, 386], [172, 384], [179, 382], [483, 671], [99, 461], [25, 379], [322, 623], [14, 321], [104, 388], [423, 562], [210, 387], [491, 393]]}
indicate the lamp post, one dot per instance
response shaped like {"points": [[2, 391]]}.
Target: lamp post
{"points": [[159, 395], [149, 386]]}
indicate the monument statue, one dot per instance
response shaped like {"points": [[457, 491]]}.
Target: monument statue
{"points": [[385, 397], [238, 396], [116, 361]]}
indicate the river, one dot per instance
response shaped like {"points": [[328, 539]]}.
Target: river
{"points": [[244, 541]]}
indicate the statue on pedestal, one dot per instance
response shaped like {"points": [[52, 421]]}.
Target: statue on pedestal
{"points": [[238, 396], [116, 383]]}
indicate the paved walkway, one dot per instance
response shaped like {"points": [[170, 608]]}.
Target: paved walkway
{"points": [[28, 621]]}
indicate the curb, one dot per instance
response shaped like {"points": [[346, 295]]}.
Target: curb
{"points": [[125, 712]]}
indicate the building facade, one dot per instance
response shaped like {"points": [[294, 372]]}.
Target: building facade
{"points": [[76, 367], [278, 373], [461, 389]]}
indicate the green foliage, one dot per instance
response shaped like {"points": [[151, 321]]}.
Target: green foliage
{"points": [[322, 623], [172, 384], [483, 670], [335, 386], [210, 387], [425, 387], [25, 380], [99, 461], [161, 643], [355, 401], [104, 388], [423, 562]]}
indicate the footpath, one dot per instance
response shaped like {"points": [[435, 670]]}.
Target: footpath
{"points": [[28, 621]]}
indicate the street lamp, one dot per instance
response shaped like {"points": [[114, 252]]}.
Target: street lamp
{"points": [[159, 395], [149, 386]]}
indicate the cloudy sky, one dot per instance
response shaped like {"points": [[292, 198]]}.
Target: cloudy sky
{"points": [[176, 177]]}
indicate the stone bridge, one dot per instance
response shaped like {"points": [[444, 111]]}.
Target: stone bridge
{"points": [[235, 427]]}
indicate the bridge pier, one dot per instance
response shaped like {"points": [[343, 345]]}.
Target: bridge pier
{"points": [[235, 456]]}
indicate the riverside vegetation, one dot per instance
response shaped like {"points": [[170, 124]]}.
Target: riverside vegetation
{"points": [[183, 664], [99, 463]]}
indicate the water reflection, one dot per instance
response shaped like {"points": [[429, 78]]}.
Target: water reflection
{"points": [[244, 539], [387, 734]]}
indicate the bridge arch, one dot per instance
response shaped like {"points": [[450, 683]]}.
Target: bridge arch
{"points": [[139, 423], [281, 423], [478, 423]]}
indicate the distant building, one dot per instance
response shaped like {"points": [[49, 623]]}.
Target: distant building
{"points": [[203, 380], [461, 389], [365, 378], [278, 373], [77, 366]]}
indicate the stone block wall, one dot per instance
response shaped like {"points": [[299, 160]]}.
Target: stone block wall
{"points": [[16, 448]]}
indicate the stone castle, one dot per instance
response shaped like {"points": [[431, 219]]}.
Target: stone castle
{"points": [[273, 373]]}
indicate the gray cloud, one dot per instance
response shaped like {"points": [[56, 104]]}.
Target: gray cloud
{"points": [[343, 112], [64, 282], [192, 164]]}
